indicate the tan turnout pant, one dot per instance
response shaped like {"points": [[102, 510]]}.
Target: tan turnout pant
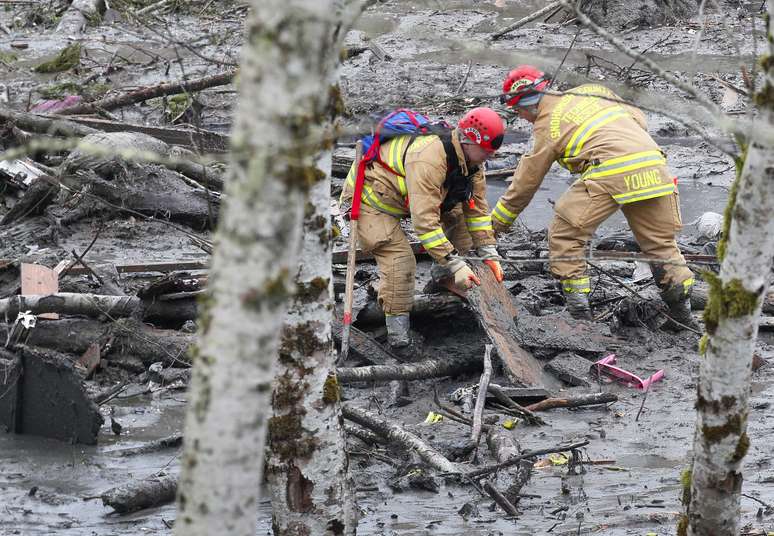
{"points": [[382, 235], [582, 208]]}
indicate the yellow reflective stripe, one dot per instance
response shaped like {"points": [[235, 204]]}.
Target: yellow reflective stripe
{"points": [[433, 238], [370, 198], [480, 223], [395, 154], [622, 164], [402, 186], [591, 125], [647, 193], [688, 283], [351, 176], [503, 214], [582, 285]]}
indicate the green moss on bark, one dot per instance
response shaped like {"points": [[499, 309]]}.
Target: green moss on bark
{"points": [[331, 389], [731, 300], [68, 58]]}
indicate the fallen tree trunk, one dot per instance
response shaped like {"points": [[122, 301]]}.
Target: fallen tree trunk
{"points": [[146, 93], [45, 125], [421, 370], [574, 402], [130, 338], [170, 442], [398, 435], [79, 13], [529, 18], [438, 306], [95, 305], [700, 294], [141, 494]]}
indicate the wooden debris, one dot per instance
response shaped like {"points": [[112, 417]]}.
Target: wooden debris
{"points": [[37, 280], [592, 399], [548, 8], [521, 395], [500, 499], [438, 306], [396, 434], [141, 494], [421, 370], [79, 13], [169, 442], [483, 385], [495, 310], [89, 361], [507, 402], [571, 368], [152, 92]]}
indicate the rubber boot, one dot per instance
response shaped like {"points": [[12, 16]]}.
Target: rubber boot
{"points": [[398, 331], [577, 304], [678, 300]]}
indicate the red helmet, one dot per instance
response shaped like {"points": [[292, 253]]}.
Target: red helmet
{"points": [[483, 127], [522, 86]]}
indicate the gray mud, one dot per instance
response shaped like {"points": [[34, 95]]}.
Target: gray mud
{"points": [[429, 44]]}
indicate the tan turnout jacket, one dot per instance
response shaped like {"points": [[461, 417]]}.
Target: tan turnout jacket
{"points": [[417, 190], [602, 140]]}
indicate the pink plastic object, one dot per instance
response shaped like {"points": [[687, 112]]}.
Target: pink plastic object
{"points": [[605, 365], [56, 104]]}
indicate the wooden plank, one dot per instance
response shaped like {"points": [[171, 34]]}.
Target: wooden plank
{"points": [[492, 304], [39, 280]]}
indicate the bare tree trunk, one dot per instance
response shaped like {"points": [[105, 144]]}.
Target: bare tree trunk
{"points": [[307, 460], [713, 485], [276, 137]]}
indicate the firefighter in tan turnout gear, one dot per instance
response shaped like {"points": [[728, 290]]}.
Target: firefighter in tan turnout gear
{"points": [[619, 166], [435, 179]]}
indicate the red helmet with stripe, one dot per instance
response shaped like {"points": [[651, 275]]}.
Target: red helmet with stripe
{"points": [[523, 85], [484, 127]]}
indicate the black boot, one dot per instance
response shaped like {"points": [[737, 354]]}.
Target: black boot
{"points": [[577, 304], [678, 300]]}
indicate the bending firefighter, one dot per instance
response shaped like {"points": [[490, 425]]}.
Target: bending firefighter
{"points": [[433, 176], [588, 131]]}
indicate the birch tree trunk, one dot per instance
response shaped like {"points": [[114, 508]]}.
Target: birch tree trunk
{"points": [[712, 487], [275, 141], [307, 462]]}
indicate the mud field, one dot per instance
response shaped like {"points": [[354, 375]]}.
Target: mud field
{"points": [[431, 56]]}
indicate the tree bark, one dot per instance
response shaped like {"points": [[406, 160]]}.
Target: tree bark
{"points": [[283, 95], [713, 486], [483, 385], [307, 465], [422, 370], [141, 494], [574, 401]]}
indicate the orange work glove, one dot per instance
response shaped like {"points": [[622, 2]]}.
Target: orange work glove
{"points": [[489, 255]]}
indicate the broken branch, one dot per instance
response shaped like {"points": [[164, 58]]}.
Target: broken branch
{"points": [[478, 412], [573, 402], [400, 436]]}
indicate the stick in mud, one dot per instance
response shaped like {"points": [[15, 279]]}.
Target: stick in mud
{"points": [[592, 399], [508, 402], [478, 412], [528, 454], [398, 435], [500, 499], [173, 441]]}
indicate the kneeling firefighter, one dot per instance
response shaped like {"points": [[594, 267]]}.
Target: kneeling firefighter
{"points": [[588, 131], [433, 175]]}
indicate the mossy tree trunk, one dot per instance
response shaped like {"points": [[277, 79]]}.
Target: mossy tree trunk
{"points": [[283, 98], [307, 460], [713, 485], [307, 464]]}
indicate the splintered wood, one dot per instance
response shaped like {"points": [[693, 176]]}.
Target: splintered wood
{"points": [[39, 280], [492, 305]]}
